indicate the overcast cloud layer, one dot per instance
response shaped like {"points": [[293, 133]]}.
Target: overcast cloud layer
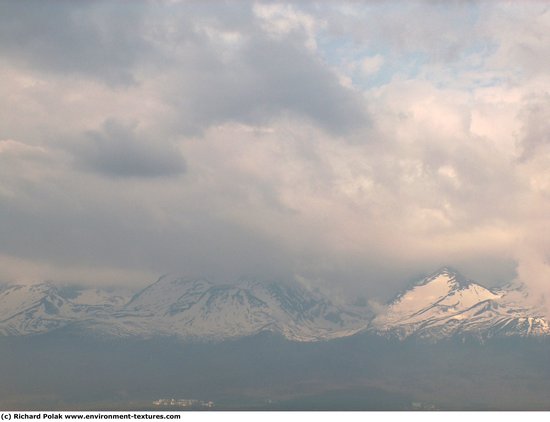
{"points": [[347, 145]]}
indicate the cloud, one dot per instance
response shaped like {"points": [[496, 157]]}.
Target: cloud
{"points": [[434, 32], [533, 268], [372, 65], [520, 47], [260, 78], [535, 134], [99, 40], [298, 165], [279, 20], [212, 65], [118, 151]]}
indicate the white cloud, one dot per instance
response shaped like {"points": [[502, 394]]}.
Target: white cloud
{"points": [[371, 65], [280, 20]]}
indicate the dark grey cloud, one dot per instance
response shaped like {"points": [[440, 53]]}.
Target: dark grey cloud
{"points": [[263, 80], [117, 150], [103, 40], [211, 82]]}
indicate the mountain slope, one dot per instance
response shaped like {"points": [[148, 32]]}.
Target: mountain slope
{"points": [[43, 307], [32, 309], [445, 305], [198, 309]]}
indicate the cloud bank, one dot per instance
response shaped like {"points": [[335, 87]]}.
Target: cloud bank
{"points": [[349, 144]]}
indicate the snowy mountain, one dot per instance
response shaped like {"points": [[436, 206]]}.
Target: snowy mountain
{"points": [[198, 309], [445, 305], [190, 309], [32, 309], [44, 307], [442, 305]]}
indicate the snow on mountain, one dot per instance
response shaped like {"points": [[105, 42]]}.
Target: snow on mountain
{"points": [[442, 305], [445, 304], [43, 307], [190, 309], [198, 309], [32, 309]]}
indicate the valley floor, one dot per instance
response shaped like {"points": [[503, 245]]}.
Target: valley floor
{"points": [[267, 372]]}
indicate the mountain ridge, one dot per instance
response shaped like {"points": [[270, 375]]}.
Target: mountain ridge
{"points": [[199, 309], [441, 305], [446, 304]]}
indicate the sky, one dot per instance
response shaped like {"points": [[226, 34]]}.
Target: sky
{"points": [[348, 145]]}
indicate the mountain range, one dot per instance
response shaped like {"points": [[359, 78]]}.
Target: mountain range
{"points": [[439, 306]]}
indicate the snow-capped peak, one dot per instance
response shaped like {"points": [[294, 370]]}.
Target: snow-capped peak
{"points": [[456, 280], [445, 304], [444, 290]]}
